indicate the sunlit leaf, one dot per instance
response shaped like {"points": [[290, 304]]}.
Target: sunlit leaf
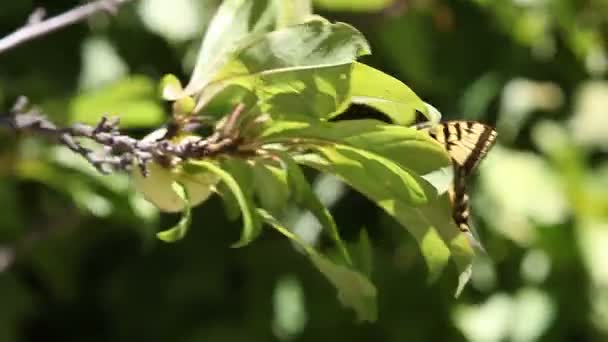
{"points": [[181, 228], [158, 189], [392, 165], [226, 100], [251, 225], [233, 21], [437, 214], [171, 87], [381, 176], [134, 100], [376, 89], [320, 92], [354, 289], [407, 197], [408, 147], [293, 12], [354, 5], [306, 197], [271, 187], [183, 106], [284, 68]]}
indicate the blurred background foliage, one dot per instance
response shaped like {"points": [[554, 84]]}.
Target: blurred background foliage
{"points": [[78, 257]]}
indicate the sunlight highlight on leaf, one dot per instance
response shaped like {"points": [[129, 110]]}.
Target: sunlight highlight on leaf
{"points": [[305, 196], [284, 66], [179, 231], [354, 289], [381, 91], [251, 226]]}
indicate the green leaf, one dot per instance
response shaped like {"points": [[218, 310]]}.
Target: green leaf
{"points": [[400, 194], [226, 100], [183, 106], [251, 225], [380, 176], [157, 186], [321, 92], [437, 214], [233, 21], [181, 228], [171, 88], [354, 5], [231, 205], [376, 89], [429, 221], [293, 12], [354, 289], [283, 67], [305, 196], [407, 150], [133, 99], [362, 253], [271, 187], [408, 147]]}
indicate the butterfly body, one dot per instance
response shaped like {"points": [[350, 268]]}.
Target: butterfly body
{"points": [[467, 143]]}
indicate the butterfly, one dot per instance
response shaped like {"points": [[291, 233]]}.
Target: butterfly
{"points": [[467, 143]]}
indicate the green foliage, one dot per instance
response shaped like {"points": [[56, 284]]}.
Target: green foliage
{"points": [[233, 21], [282, 68], [294, 78], [237, 177], [387, 94], [397, 143], [179, 231], [170, 87], [305, 197], [134, 100], [157, 186], [354, 290], [271, 187], [362, 252], [353, 5], [79, 253]]}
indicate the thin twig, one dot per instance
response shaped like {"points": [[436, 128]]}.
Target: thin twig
{"points": [[36, 27], [120, 152], [228, 129]]}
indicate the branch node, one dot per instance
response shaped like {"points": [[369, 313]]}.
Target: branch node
{"points": [[19, 105], [111, 6], [36, 17]]}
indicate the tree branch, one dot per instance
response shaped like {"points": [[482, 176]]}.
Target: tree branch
{"points": [[118, 151], [36, 27]]}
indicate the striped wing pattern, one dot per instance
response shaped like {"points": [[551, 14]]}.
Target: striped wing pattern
{"points": [[467, 143]]}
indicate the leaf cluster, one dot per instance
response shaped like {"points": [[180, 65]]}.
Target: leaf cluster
{"points": [[294, 74]]}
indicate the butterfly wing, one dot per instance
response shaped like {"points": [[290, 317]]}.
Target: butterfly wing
{"points": [[467, 143]]}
